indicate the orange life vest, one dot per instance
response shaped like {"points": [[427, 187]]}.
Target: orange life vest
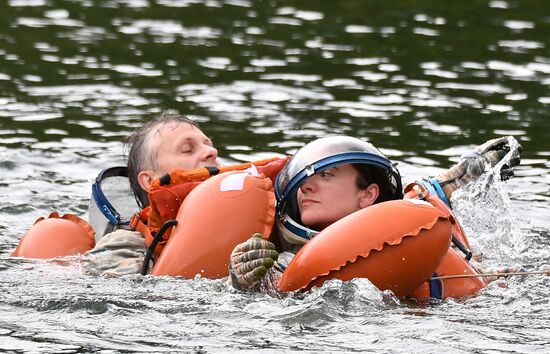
{"points": [[167, 194], [216, 216]]}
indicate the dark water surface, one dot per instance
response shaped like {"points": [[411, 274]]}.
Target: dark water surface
{"points": [[424, 81]]}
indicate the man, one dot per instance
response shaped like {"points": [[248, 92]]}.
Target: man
{"points": [[157, 147]]}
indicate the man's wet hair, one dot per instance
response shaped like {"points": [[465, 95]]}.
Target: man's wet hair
{"points": [[142, 154]]}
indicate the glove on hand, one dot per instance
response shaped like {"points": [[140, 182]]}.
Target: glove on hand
{"points": [[250, 260], [474, 163]]}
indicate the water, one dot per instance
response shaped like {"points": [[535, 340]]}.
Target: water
{"points": [[423, 81]]}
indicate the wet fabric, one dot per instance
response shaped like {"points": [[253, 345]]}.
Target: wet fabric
{"points": [[117, 253]]}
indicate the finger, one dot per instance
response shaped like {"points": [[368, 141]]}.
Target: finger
{"points": [[256, 254], [246, 267], [515, 160], [501, 144], [256, 243], [243, 268], [506, 174], [252, 278], [494, 156], [253, 243], [491, 144]]}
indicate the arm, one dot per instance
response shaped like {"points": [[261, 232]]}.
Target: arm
{"points": [[503, 153], [117, 253]]}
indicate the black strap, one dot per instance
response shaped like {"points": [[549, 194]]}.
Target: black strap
{"points": [[468, 254], [212, 170], [154, 244], [165, 179], [453, 180]]}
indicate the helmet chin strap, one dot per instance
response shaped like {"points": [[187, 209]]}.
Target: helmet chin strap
{"points": [[293, 232]]}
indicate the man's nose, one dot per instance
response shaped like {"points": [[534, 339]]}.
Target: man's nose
{"points": [[209, 153]]}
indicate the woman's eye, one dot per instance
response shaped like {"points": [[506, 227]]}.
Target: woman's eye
{"points": [[326, 174]]}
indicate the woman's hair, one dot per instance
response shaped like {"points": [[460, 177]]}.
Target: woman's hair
{"points": [[143, 154], [368, 174]]}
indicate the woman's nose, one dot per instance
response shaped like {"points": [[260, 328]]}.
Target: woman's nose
{"points": [[308, 185]]}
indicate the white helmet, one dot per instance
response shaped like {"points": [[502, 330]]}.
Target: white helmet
{"points": [[318, 156]]}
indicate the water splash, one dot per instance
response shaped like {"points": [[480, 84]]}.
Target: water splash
{"points": [[488, 215]]}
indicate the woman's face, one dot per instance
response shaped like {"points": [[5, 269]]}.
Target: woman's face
{"points": [[330, 195]]}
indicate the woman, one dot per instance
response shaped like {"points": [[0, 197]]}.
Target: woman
{"points": [[333, 177]]}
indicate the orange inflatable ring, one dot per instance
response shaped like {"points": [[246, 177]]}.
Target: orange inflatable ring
{"points": [[56, 236], [220, 213], [397, 245]]}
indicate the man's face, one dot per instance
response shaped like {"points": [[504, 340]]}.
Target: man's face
{"points": [[182, 146], [178, 145]]}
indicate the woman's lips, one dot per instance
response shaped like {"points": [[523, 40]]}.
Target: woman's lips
{"points": [[306, 202]]}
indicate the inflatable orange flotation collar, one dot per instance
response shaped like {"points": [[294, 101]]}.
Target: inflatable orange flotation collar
{"points": [[167, 194], [220, 213], [395, 244], [56, 236], [400, 245], [452, 264]]}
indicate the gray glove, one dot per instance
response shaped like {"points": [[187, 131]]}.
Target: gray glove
{"points": [[473, 164], [250, 260]]}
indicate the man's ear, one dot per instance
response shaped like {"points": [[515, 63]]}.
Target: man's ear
{"points": [[145, 178], [368, 195]]}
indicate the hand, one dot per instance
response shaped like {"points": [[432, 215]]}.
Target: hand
{"points": [[250, 260], [493, 151], [505, 272], [476, 162]]}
